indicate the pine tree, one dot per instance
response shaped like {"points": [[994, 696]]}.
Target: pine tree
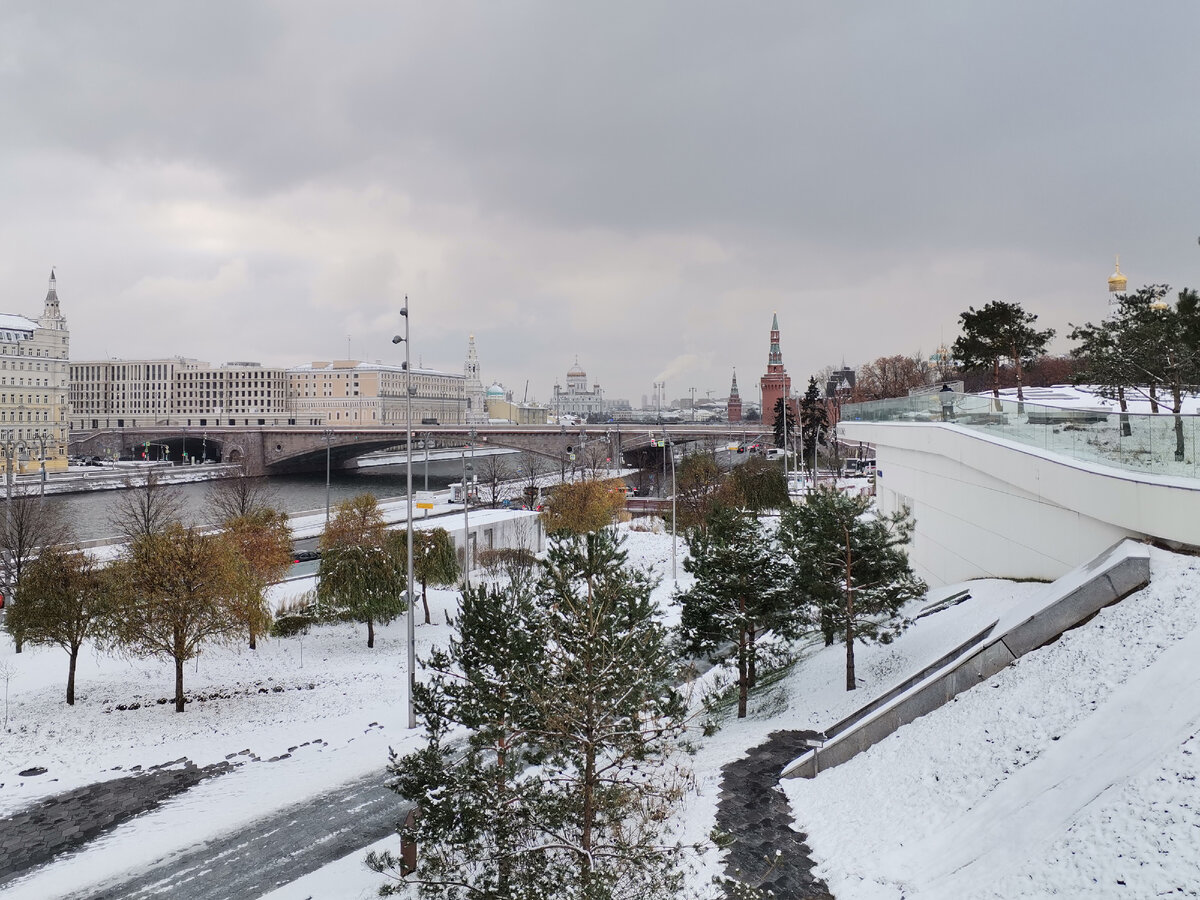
{"points": [[785, 422], [735, 599], [850, 567], [479, 803], [611, 717], [996, 332], [814, 417]]}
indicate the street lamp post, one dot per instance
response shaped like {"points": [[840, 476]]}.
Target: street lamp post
{"points": [[42, 441], [412, 632], [670, 448], [328, 432], [468, 471]]}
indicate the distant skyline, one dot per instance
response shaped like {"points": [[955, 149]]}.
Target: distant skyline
{"points": [[641, 186]]}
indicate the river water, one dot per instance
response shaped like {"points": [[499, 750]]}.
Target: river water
{"points": [[90, 513]]}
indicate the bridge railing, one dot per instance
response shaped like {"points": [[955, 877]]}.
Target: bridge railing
{"points": [[1149, 443]]}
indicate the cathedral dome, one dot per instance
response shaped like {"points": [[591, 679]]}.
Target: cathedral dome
{"points": [[495, 392], [576, 371], [1117, 281]]}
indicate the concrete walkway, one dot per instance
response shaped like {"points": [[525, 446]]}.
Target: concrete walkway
{"points": [[766, 853]]}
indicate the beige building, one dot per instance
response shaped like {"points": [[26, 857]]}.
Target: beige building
{"points": [[501, 408], [131, 393], [356, 393], [34, 356]]}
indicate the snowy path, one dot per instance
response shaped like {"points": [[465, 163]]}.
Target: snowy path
{"points": [[276, 850], [1144, 719]]}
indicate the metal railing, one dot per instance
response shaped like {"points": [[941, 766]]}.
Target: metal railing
{"points": [[1150, 443]]}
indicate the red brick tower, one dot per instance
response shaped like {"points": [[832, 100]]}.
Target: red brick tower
{"points": [[776, 383], [735, 401]]}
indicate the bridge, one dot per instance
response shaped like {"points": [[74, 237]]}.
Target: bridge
{"points": [[281, 449]]}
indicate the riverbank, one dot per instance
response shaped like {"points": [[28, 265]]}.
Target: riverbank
{"points": [[114, 476]]}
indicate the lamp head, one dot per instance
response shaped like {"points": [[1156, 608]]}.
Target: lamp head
{"points": [[397, 339]]}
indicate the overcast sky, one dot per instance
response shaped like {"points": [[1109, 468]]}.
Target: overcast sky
{"points": [[639, 184]]}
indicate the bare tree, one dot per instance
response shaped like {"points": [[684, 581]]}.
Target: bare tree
{"points": [[145, 509], [530, 469], [491, 474], [29, 524], [237, 498]]}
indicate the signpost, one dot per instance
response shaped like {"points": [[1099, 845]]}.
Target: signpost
{"points": [[425, 501]]}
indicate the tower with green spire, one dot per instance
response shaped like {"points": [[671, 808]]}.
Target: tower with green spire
{"points": [[776, 382]]}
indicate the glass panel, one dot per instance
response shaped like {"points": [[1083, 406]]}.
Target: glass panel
{"points": [[1159, 444]]}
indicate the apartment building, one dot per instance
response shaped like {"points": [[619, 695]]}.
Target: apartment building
{"points": [[352, 392]]}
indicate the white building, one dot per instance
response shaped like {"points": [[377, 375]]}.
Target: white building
{"points": [[34, 356], [477, 413], [576, 399]]}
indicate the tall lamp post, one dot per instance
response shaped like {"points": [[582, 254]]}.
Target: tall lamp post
{"points": [[328, 432], [408, 496], [670, 448]]}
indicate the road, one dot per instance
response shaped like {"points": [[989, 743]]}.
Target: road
{"points": [[273, 851]]}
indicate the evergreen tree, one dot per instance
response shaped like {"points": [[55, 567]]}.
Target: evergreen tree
{"points": [[480, 804], [64, 601], [568, 767], [610, 717], [735, 599], [363, 570], [785, 422], [814, 418], [850, 567], [997, 332]]}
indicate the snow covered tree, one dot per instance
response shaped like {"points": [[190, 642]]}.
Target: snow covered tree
{"points": [[176, 590], [264, 540], [609, 720], [64, 601], [785, 422], [850, 567], [735, 599], [814, 418], [996, 332], [569, 767], [363, 569], [479, 803]]}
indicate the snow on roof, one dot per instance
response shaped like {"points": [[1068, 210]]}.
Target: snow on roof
{"points": [[357, 366], [11, 322]]}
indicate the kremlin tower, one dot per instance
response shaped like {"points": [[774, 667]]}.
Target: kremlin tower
{"points": [[735, 401], [776, 383]]}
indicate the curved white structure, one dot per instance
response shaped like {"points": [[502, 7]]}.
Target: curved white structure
{"points": [[988, 507]]}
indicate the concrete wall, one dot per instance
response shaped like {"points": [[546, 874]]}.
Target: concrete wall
{"points": [[1118, 573], [989, 508]]}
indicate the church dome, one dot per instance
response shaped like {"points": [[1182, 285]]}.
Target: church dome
{"points": [[576, 371], [1117, 281], [495, 391]]}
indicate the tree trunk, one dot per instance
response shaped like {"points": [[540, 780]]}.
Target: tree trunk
{"points": [[743, 687], [370, 633], [751, 660], [1126, 428], [253, 645], [1020, 391], [1153, 397], [1177, 396], [71, 676], [996, 384], [850, 679], [425, 602], [178, 682]]}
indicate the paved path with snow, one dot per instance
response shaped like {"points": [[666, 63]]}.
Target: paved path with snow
{"points": [[766, 853], [273, 851]]}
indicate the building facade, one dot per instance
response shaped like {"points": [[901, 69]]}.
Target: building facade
{"points": [[349, 392], [576, 399], [776, 382], [501, 408], [34, 355], [132, 393]]}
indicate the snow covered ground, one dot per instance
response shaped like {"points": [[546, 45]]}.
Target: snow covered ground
{"points": [[1071, 773], [975, 799]]}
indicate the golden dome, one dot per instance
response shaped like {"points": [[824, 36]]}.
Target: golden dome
{"points": [[1117, 281]]}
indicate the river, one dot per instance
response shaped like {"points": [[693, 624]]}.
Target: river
{"points": [[90, 513]]}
